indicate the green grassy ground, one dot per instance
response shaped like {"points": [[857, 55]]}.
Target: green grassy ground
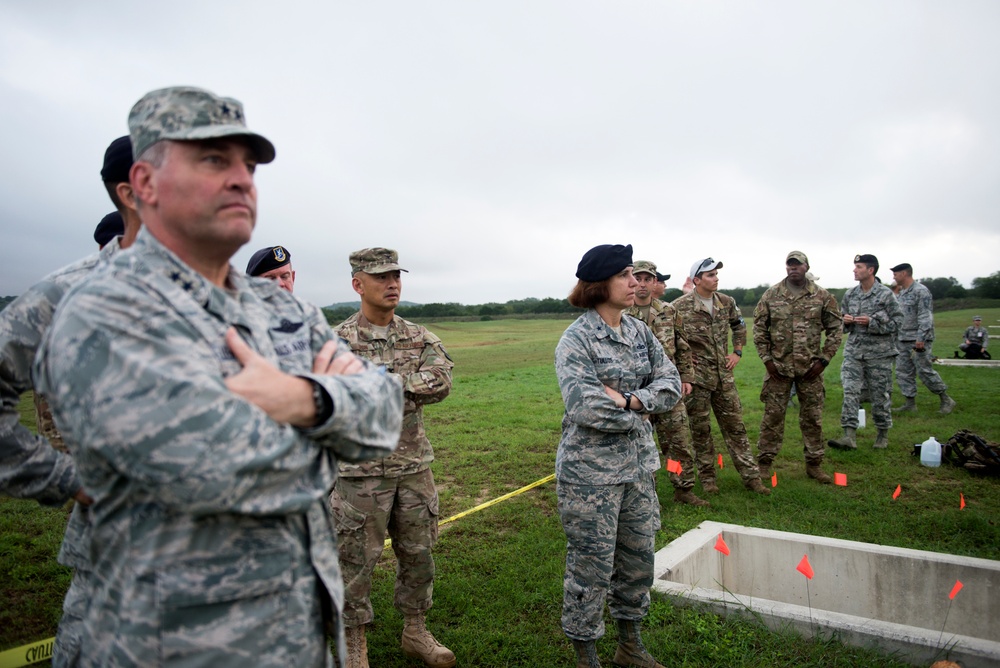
{"points": [[499, 582]]}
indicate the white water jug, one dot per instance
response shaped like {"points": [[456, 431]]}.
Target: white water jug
{"points": [[861, 418], [930, 452]]}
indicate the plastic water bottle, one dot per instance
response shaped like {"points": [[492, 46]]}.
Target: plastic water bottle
{"points": [[930, 452]]}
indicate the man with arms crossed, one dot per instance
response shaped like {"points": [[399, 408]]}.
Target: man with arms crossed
{"points": [[211, 540], [705, 319], [672, 429], [789, 324], [394, 494], [872, 318]]}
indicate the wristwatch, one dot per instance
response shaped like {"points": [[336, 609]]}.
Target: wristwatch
{"points": [[824, 362], [628, 399], [738, 353]]}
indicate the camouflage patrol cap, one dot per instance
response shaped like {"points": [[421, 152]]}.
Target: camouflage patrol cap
{"points": [[183, 113], [374, 261], [798, 256], [644, 267]]}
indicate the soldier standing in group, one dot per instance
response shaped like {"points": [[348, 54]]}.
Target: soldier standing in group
{"points": [[789, 324], [206, 413], [704, 318], [274, 262], [29, 467], [916, 337], [672, 428], [872, 318], [395, 494]]}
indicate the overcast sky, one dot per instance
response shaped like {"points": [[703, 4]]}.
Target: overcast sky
{"points": [[493, 143]]}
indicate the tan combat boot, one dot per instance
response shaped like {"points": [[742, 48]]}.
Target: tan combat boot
{"points": [[631, 651], [947, 404], [709, 486], [688, 497], [909, 406], [847, 441], [418, 643], [818, 474], [755, 485], [357, 647], [586, 654], [881, 439]]}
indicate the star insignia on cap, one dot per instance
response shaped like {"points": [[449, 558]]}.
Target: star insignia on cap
{"points": [[225, 109], [237, 115]]}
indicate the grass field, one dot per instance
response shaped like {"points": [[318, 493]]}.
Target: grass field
{"points": [[499, 581]]}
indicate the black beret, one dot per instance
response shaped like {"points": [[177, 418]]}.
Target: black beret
{"points": [[905, 266], [117, 161], [111, 226], [604, 261], [868, 259], [267, 259]]}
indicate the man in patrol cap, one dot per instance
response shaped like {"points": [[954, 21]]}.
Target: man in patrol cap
{"points": [[206, 413], [797, 330], [394, 494], [672, 429], [706, 317], [274, 262]]}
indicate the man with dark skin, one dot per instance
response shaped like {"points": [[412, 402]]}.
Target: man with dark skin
{"points": [[789, 339]]}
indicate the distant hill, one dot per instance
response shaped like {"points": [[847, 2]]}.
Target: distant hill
{"points": [[4, 301], [356, 305]]}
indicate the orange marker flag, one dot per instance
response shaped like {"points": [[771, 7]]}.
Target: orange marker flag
{"points": [[954, 590], [804, 567], [720, 461], [674, 466], [721, 546], [961, 501], [774, 479], [895, 495], [840, 479]]}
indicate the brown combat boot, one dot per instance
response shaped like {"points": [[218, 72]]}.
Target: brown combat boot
{"points": [[708, 486], [947, 404], [755, 485], [357, 647], [818, 474], [847, 441], [418, 643], [586, 654], [881, 439], [688, 497], [764, 462], [631, 651]]}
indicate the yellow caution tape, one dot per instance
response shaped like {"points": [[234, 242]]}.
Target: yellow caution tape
{"points": [[27, 654], [42, 650], [481, 506]]}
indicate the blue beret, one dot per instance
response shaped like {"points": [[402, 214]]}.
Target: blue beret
{"points": [[111, 226], [604, 261], [267, 259]]}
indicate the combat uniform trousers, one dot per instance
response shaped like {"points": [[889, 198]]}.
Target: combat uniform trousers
{"points": [[674, 434], [610, 531], [724, 401], [774, 394], [912, 363], [366, 509], [874, 373]]}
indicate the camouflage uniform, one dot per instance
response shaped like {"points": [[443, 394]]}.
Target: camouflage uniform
{"points": [[974, 334], [672, 428], [29, 468], [395, 493], [868, 353], [918, 325], [713, 387], [605, 468], [211, 538], [788, 330]]}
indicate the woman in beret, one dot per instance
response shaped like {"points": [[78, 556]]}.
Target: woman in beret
{"points": [[612, 374]]}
